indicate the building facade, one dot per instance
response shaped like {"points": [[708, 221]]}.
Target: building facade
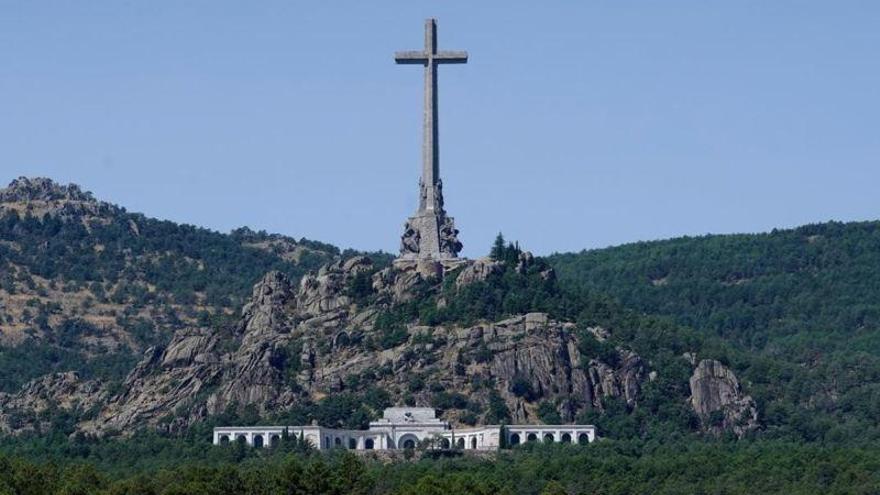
{"points": [[407, 428]]}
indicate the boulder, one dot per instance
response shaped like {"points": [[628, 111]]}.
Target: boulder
{"points": [[326, 291], [718, 401], [478, 271]]}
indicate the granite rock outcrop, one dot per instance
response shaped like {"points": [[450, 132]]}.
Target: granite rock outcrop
{"points": [[24, 411], [718, 400]]}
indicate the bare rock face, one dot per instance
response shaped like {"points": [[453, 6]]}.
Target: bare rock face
{"points": [[20, 412], [718, 400], [479, 270], [543, 354], [396, 283], [41, 189], [266, 310], [40, 196], [325, 292], [253, 373], [193, 378], [166, 380], [623, 381]]}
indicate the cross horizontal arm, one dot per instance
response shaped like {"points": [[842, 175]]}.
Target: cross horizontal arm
{"points": [[451, 57], [410, 57], [420, 57]]}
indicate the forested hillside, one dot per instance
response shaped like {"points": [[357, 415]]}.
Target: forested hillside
{"points": [[611, 468], [801, 307]]}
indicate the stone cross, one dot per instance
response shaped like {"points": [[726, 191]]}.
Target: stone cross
{"points": [[430, 58], [430, 234]]}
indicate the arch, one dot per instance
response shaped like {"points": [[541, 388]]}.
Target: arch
{"points": [[583, 439], [224, 439], [408, 441], [241, 438], [566, 438], [532, 437], [459, 443], [514, 439], [337, 442], [473, 442], [444, 443], [549, 438], [352, 443], [258, 440], [274, 440], [326, 442], [369, 444]]}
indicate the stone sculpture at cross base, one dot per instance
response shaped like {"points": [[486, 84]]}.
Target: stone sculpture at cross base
{"points": [[430, 240], [430, 234], [440, 231]]}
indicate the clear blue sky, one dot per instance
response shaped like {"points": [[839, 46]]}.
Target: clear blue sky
{"points": [[574, 125]]}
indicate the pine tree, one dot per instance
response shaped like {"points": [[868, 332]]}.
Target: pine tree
{"points": [[498, 248]]}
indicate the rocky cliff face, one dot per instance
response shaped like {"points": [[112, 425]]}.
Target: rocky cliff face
{"points": [[31, 408], [193, 378], [168, 379], [25, 189], [718, 400], [295, 344], [40, 196]]}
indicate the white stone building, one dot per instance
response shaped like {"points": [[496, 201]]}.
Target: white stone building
{"points": [[405, 428]]}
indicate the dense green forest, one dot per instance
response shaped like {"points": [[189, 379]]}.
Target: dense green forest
{"points": [[799, 309], [607, 467], [808, 290]]}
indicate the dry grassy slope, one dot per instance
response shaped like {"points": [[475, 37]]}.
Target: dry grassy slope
{"points": [[67, 257]]}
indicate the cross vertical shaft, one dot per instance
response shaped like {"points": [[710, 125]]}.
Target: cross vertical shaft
{"points": [[430, 148], [430, 233], [430, 58]]}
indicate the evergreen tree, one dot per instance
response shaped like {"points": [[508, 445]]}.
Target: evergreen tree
{"points": [[498, 248]]}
